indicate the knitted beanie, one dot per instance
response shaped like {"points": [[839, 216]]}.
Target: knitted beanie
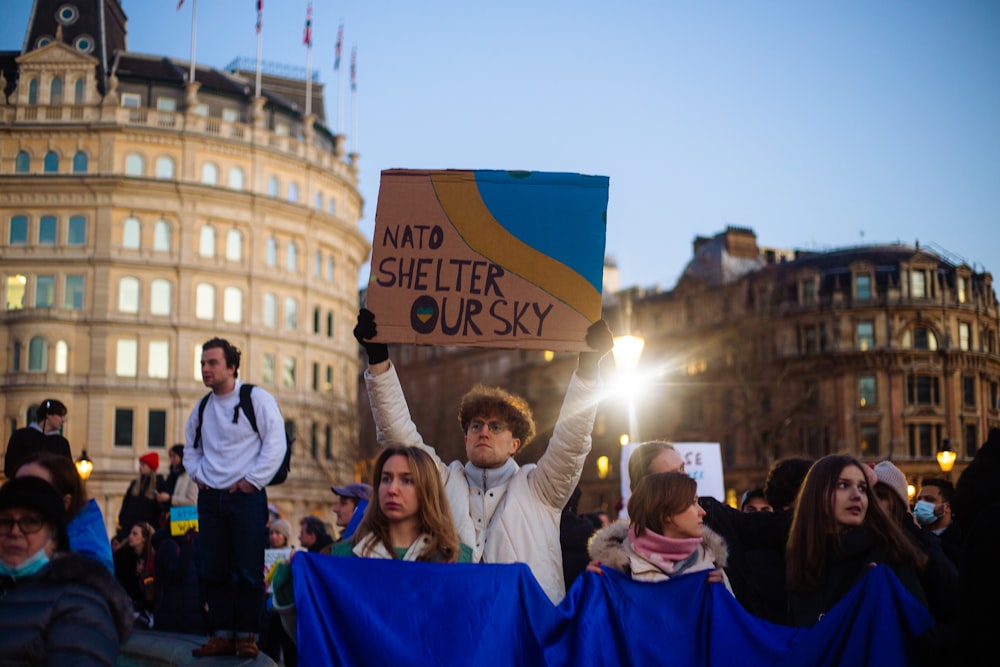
{"points": [[152, 459], [894, 478]]}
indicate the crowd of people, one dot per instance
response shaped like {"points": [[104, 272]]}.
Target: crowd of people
{"points": [[788, 553]]}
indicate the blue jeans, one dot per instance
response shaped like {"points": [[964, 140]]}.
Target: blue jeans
{"points": [[231, 527]]}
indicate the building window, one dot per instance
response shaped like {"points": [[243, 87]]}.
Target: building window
{"points": [[234, 245], [236, 178], [22, 163], [971, 440], [868, 444], [161, 236], [267, 369], [166, 104], [961, 286], [271, 252], [863, 287], [272, 186], [270, 311], [73, 293], [56, 90], [84, 44], [315, 376], [77, 232], [135, 165], [329, 324], [969, 391], [131, 100], [127, 357], [316, 320], [808, 291], [204, 308], [231, 115], [164, 167], [288, 372], [319, 201], [291, 313], [157, 429], [160, 297], [866, 391], [328, 386], [918, 284], [18, 230], [329, 269], [47, 230], [45, 291], [33, 89], [209, 174], [80, 163], [318, 264], [16, 354], [920, 338], [62, 357], [123, 427], [159, 359], [232, 305], [328, 441], [128, 295], [78, 92], [206, 245], [293, 192], [816, 442], [51, 163], [291, 257], [866, 335], [38, 354], [964, 336], [14, 295], [812, 338], [923, 439], [922, 390], [131, 233], [331, 206]]}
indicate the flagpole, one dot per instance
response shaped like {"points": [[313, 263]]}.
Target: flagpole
{"points": [[340, 82], [309, 60], [260, 12], [354, 99], [194, 36]]}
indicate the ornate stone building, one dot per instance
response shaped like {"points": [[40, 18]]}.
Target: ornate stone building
{"points": [[143, 214]]}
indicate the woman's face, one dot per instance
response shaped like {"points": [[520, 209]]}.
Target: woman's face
{"points": [[850, 497], [136, 539], [144, 469], [278, 540], [686, 523], [397, 494], [668, 460], [175, 460], [16, 546]]}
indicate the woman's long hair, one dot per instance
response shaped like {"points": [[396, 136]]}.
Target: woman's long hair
{"points": [[814, 530], [658, 498], [433, 513], [147, 545], [65, 479], [144, 485]]}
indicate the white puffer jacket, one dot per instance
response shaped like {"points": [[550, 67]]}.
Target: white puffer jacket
{"points": [[516, 520]]}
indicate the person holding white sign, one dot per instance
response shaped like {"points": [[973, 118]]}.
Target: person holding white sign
{"points": [[507, 513]]}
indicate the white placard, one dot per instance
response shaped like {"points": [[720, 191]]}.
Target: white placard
{"points": [[702, 461]]}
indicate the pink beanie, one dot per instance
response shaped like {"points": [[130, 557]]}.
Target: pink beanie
{"points": [[894, 478]]}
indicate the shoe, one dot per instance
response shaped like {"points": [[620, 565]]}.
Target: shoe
{"points": [[246, 647], [215, 646]]}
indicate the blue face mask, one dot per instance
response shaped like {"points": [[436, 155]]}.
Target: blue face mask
{"points": [[29, 567], [924, 512]]}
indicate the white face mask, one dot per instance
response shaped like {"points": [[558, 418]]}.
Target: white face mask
{"points": [[32, 565]]}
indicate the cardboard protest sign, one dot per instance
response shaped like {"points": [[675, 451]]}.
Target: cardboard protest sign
{"points": [[183, 519], [488, 258]]}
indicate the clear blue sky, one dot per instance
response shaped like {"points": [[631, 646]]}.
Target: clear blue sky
{"points": [[813, 123]]}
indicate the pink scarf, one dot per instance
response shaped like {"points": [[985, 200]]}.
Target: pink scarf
{"points": [[664, 552]]}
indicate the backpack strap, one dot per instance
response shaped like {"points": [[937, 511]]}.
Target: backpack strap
{"points": [[246, 404], [201, 414]]}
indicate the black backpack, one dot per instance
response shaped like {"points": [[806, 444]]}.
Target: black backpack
{"points": [[247, 406]]}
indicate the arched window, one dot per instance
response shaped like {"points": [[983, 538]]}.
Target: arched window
{"points": [[38, 354], [80, 163], [131, 233], [232, 305], [236, 178], [206, 246], [22, 163], [164, 167], [270, 311], [51, 165], [209, 174], [128, 295], [160, 297], [271, 252], [56, 91], [135, 165], [234, 245], [272, 186], [33, 91], [293, 192], [47, 230], [62, 357], [920, 338], [78, 91], [291, 257], [204, 308], [161, 236], [18, 230]]}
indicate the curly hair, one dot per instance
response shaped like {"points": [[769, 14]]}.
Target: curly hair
{"points": [[493, 401]]}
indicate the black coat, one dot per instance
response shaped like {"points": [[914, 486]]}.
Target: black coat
{"points": [[73, 612], [179, 605], [138, 508], [28, 441]]}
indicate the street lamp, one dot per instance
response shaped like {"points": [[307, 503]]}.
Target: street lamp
{"points": [[626, 351], [84, 466], [603, 467], [946, 457]]}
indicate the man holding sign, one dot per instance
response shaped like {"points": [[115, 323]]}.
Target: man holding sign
{"points": [[506, 512]]}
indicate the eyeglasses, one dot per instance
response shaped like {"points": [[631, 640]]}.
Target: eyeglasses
{"points": [[477, 425], [28, 524]]}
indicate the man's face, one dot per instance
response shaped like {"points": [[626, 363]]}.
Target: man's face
{"points": [[344, 509], [214, 372], [489, 442], [667, 460], [306, 539], [53, 422], [932, 494]]}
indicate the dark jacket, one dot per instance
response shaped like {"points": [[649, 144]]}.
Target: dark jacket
{"points": [[27, 441], [73, 612], [138, 508], [178, 605], [847, 562]]}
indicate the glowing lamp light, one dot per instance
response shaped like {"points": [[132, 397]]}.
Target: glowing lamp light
{"points": [[603, 467], [911, 491], [627, 351], [549, 355], [624, 440], [946, 459], [84, 466]]}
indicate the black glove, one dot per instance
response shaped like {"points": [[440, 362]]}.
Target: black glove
{"points": [[600, 341], [363, 331]]}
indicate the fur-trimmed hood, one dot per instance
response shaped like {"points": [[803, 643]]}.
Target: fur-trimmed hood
{"points": [[607, 546]]}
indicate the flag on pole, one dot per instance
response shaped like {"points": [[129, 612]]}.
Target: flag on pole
{"points": [[354, 68], [340, 43], [260, 14], [307, 37], [179, 3]]}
